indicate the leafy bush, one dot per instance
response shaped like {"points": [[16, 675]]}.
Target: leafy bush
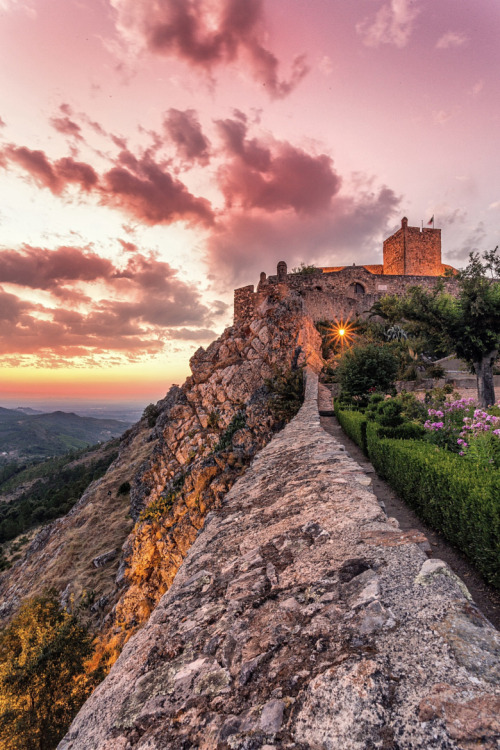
{"points": [[151, 414], [368, 368], [453, 496], [304, 270], [158, 507], [42, 674], [286, 393]]}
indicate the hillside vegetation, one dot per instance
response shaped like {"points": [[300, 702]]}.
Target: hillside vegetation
{"points": [[42, 492], [43, 435]]}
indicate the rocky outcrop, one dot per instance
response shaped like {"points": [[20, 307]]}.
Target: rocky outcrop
{"points": [[207, 432], [302, 618], [115, 555]]}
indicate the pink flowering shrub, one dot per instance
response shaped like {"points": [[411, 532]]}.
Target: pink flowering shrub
{"points": [[460, 426]]}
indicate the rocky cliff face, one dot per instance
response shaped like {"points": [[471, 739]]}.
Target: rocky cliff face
{"points": [[303, 618], [207, 432], [116, 557]]}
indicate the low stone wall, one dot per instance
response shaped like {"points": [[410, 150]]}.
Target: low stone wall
{"points": [[303, 618]]}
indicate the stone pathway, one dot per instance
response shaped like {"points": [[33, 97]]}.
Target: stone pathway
{"points": [[301, 618]]}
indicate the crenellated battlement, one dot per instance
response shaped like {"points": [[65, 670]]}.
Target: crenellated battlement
{"points": [[412, 257]]}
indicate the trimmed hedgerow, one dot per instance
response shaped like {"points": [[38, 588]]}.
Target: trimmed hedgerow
{"points": [[459, 500], [354, 425]]}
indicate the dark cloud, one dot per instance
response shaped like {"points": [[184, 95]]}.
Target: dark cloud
{"points": [[205, 35], [250, 242], [141, 187], [40, 268], [66, 126], [11, 307], [147, 191], [185, 131], [55, 176], [274, 177], [36, 164], [145, 304], [2, 123]]}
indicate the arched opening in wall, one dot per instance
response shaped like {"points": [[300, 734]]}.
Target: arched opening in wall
{"points": [[357, 288]]}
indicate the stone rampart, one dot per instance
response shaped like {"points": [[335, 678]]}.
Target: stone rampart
{"points": [[303, 618]]}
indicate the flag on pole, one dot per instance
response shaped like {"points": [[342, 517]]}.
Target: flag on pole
{"points": [[431, 221]]}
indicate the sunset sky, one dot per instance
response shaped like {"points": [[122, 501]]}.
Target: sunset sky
{"points": [[155, 154]]}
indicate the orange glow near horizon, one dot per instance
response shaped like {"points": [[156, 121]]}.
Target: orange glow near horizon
{"points": [[132, 382]]}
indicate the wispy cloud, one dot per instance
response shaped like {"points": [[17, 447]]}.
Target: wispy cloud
{"points": [[451, 39], [391, 24]]}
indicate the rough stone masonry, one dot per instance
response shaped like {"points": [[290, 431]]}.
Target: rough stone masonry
{"points": [[303, 618]]}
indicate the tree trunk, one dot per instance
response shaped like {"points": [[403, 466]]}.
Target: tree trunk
{"points": [[484, 375]]}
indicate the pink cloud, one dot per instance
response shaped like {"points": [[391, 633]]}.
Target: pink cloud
{"points": [[41, 268], [274, 177], [391, 24], [139, 187], [148, 192], [250, 242], [53, 175], [145, 305], [66, 126], [205, 34], [185, 131]]}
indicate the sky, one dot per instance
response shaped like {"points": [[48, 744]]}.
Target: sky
{"points": [[156, 154]]}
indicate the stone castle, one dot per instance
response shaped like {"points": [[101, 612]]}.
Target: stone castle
{"points": [[412, 256]]}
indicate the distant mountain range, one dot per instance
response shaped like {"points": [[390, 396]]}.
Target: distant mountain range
{"points": [[25, 433]]}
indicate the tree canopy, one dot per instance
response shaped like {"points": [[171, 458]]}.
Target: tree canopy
{"points": [[468, 323], [42, 677]]}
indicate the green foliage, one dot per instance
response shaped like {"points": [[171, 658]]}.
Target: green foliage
{"points": [[304, 270], [158, 507], [286, 393], [151, 414], [237, 423], [43, 435], [468, 324], [164, 503], [51, 495], [42, 676], [367, 368], [213, 419], [124, 488], [354, 425], [396, 333], [450, 494]]}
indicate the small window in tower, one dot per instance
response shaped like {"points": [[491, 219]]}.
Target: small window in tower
{"points": [[358, 288]]}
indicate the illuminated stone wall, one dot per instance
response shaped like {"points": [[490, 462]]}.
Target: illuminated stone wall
{"points": [[413, 251]]}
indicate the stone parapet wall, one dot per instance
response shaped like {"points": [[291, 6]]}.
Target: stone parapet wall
{"points": [[303, 618], [333, 294]]}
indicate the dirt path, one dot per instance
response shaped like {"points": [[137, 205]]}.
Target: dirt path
{"points": [[486, 597]]}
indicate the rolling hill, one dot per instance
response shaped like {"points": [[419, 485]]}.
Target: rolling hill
{"points": [[42, 435]]}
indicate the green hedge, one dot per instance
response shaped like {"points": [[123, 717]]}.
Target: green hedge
{"points": [[354, 425], [447, 492]]}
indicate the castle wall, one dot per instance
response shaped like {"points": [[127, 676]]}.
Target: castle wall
{"points": [[330, 295]]}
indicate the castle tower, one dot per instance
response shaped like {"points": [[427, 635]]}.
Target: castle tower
{"points": [[412, 251]]}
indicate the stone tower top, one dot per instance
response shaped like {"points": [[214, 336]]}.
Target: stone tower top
{"points": [[412, 251]]}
